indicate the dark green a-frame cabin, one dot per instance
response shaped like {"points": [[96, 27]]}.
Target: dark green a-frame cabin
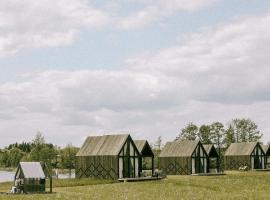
{"points": [[213, 158], [108, 157], [183, 158], [248, 154], [266, 149], [146, 153]]}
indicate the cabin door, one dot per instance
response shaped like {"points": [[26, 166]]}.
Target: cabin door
{"points": [[257, 164], [199, 165]]}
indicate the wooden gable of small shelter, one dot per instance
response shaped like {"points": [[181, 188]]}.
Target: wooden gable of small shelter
{"points": [[211, 150], [108, 157], [213, 158], [266, 149], [183, 157], [30, 177], [146, 152], [243, 154]]}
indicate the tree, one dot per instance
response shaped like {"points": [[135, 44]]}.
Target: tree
{"points": [[158, 143], [39, 139], [205, 134], [4, 158], [242, 130], [38, 143], [156, 151], [217, 133], [15, 156], [24, 146], [45, 153], [42, 151], [67, 156], [190, 132], [217, 138], [229, 136]]}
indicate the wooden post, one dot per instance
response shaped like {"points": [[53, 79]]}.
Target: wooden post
{"points": [[152, 166], [50, 184]]}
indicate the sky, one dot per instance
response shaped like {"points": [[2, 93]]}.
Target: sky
{"points": [[76, 68]]}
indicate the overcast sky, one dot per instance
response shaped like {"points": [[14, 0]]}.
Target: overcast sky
{"points": [[74, 68]]}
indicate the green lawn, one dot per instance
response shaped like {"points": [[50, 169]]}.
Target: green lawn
{"points": [[243, 185]]}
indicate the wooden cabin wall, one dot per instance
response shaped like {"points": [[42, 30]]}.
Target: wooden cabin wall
{"points": [[175, 165], [234, 162], [33, 186], [104, 167]]}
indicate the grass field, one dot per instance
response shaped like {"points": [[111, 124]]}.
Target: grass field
{"points": [[235, 185]]}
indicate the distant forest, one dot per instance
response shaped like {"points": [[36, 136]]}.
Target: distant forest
{"points": [[237, 130], [38, 150]]}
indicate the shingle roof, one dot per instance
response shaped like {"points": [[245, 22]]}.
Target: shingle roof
{"points": [[102, 145], [179, 148], [32, 170], [241, 149]]}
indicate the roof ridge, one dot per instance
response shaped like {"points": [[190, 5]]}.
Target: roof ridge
{"points": [[103, 145]]}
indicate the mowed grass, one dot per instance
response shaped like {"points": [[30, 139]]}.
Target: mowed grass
{"points": [[235, 185]]}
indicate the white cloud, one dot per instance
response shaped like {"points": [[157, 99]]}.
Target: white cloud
{"points": [[49, 23], [156, 10], [228, 59], [219, 73], [44, 23]]}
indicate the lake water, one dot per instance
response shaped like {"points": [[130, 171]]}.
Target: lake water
{"points": [[9, 176], [6, 176], [65, 176]]}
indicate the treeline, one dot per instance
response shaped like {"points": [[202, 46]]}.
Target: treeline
{"points": [[236, 130], [39, 150]]}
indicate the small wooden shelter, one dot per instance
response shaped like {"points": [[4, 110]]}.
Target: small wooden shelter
{"points": [[108, 157], [249, 154], [213, 158], [146, 153], [266, 149], [183, 157], [30, 178]]}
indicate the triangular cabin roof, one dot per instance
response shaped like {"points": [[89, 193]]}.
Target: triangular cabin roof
{"points": [[144, 148], [241, 149], [266, 149], [109, 145], [179, 148], [31, 170], [210, 150]]}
